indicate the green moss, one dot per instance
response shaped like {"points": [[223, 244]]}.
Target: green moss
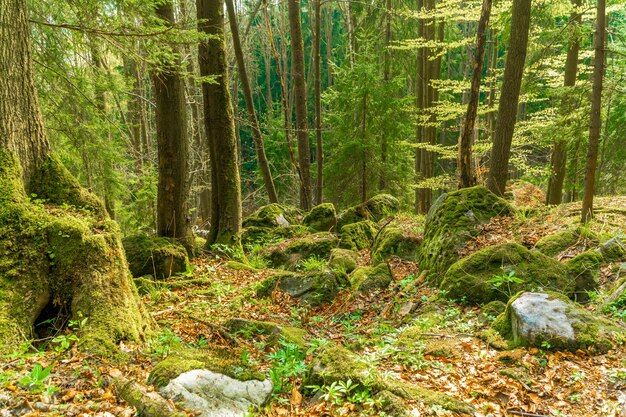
{"points": [[71, 254], [365, 278], [391, 404], [322, 218], [185, 360], [313, 288], [584, 268], [614, 250], [555, 244], [358, 236], [492, 310], [392, 241], [453, 219], [157, 256], [274, 215], [254, 235], [502, 325], [343, 260], [240, 266], [468, 278], [289, 253], [376, 208], [428, 397], [274, 331]]}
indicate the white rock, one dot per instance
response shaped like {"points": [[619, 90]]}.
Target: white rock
{"points": [[217, 395], [539, 316]]}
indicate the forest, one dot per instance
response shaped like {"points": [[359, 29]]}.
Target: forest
{"points": [[234, 208]]}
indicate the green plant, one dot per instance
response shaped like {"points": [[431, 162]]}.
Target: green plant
{"points": [[64, 341], [313, 263], [287, 363], [34, 381], [577, 376], [164, 343], [503, 283]]}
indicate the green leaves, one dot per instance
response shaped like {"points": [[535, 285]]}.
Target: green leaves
{"points": [[34, 381]]}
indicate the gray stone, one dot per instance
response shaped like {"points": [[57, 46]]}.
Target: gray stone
{"points": [[217, 395]]}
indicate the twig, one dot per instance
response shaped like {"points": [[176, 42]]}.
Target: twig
{"points": [[216, 328], [524, 414]]}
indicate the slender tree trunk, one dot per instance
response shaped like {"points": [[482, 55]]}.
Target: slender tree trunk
{"points": [[297, 57], [382, 184], [596, 112], [558, 160], [220, 128], [257, 136], [319, 151], [171, 123], [509, 97], [419, 101], [364, 173], [493, 66], [467, 177]]}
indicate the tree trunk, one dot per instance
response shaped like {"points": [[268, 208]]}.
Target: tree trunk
{"points": [[493, 66], [596, 112], [319, 151], [509, 97], [558, 159], [54, 261], [467, 177], [382, 182], [297, 58], [171, 127], [220, 128], [257, 136], [419, 101]]}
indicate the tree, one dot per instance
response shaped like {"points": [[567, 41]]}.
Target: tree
{"points": [[302, 133], [172, 143], [257, 136], [319, 152], [467, 177], [220, 128], [65, 257], [509, 97], [596, 112], [558, 158]]}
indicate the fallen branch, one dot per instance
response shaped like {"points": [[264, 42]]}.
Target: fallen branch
{"points": [[524, 414], [148, 404], [222, 331]]}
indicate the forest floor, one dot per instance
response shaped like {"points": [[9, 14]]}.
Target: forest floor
{"points": [[524, 381]]}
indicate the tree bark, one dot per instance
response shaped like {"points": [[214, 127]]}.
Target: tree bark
{"points": [[382, 182], [68, 262], [220, 128], [419, 101], [172, 144], [467, 176], [257, 136], [297, 58], [558, 160], [596, 112], [319, 151], [509, 97]]}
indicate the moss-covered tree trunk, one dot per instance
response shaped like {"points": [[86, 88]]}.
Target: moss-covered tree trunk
{"points": [[60, 253], [220, 128]]}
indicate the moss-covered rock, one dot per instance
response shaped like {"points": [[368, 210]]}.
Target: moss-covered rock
{"points": [[376, 208], [551, 319], [64, 256], [391, 404], [343, 260], [453, 219], [274, 331], [184, 360], [368, 278], [614, 249], [358, 236], [555, 244], [274, 215], [322, 218], [289, 253], [336, 364], [253, 235], [393, 241], [492, 310], [312, 288], [157, 256], [518, 268], [584, 268]]}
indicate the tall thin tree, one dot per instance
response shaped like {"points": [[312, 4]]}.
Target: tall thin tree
{"points": [[319, 151], [509, 97], [596, 112]]}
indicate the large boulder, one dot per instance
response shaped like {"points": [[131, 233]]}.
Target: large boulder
{"points": [[262, 236], [376, 208], [157, 256], [548, 319], [289, 253], [358, 236], [217, 395], [454, 219], [335, 364], [274, 215], [367, 278], [313, 288], [554, 244], [273, 331], [499, 271], [322, 218], [393, 241]]}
